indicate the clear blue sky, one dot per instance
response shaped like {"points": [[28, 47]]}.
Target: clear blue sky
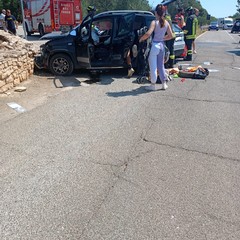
{"points": [[217, 8]]}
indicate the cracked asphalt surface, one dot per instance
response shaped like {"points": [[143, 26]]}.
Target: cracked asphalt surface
{"points": [[109, 160]]}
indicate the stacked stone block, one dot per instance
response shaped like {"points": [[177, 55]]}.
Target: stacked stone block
{"points": [[16, 60]]}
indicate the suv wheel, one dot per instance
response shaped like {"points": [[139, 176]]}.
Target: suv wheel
{"points": [[61, 64]]}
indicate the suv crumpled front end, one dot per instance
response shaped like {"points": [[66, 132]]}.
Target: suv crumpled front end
{"points": [[57, 55], [40, 60]]}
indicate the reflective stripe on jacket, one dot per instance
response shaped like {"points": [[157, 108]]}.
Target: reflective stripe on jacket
{"points": [[190, 30]]}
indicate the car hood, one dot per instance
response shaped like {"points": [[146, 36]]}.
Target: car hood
{"points": [[54, 35]]}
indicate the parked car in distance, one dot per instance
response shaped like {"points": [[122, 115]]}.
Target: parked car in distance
{"points": [[225, 23], [236, 26], [78, 49], [213, 26]]}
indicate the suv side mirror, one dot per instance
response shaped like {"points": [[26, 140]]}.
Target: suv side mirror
{"points": [[73, 33]]}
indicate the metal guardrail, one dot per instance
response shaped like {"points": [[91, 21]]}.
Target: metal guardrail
{"points": [[204, 27]]}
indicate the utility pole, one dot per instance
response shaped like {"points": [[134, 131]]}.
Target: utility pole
{"points": [[23, 18]]}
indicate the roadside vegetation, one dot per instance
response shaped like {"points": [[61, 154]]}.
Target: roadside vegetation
{"points": [[204, 18], [102, 5]]}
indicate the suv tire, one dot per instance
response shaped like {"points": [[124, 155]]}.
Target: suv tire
{"points": [[61, 64]]}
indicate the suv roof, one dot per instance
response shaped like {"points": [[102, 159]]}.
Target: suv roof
{"points": [[118, 12]]}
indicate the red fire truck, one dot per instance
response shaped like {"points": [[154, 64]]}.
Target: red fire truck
{"points": [[45, 16]]}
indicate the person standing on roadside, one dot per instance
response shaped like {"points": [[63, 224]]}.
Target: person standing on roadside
{"points": [[170, 44], [91, 10], [194, 44], [11, 22], [179, 18], [132, 52], [190, 31], [156, 57], [2, 19]]}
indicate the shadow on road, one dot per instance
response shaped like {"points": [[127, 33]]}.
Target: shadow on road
{"points": [[78, 78], [62, 82], [236, 52], [134, 92]]}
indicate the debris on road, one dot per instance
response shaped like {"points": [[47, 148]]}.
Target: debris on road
{"points": [[16, 107], [20, 89]]}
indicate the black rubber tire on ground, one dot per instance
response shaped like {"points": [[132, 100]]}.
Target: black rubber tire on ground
{"points": [[141, 80], [61, 65], [41, 29]]}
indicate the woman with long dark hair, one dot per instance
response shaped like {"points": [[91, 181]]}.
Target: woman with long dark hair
{"points": [[162, 32]]}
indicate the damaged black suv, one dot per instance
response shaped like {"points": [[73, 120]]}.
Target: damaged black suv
{"points": [[82, 49]]}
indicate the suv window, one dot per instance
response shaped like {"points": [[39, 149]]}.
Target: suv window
{"points": [[139, 23], [101, 29], [125, 25], [149, 20]]}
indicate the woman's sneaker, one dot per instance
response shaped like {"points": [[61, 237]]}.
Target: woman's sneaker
{"points": [[164, 86], [130, 72]]}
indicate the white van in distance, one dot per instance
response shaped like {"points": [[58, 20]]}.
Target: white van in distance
{"points": [[225, 23]]}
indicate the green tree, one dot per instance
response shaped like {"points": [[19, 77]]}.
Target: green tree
{"points": [[238, 6], [14, 6], [202, 17], [103, 5]]}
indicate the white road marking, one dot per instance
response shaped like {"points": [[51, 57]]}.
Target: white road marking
{"points": [[16, 107], [231, 37], [201, 34], [236, 68]]}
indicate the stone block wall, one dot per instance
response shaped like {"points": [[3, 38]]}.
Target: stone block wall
{"points": [[16, 60]]}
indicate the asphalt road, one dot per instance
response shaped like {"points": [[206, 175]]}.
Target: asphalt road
{"points": [[109, 160]]}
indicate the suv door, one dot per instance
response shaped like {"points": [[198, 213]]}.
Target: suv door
{"points": [[123, 39], [112, 55], [100, 42], [82, 43]]}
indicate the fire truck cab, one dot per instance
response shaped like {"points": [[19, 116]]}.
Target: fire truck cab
{"points": [[45, 16]]}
